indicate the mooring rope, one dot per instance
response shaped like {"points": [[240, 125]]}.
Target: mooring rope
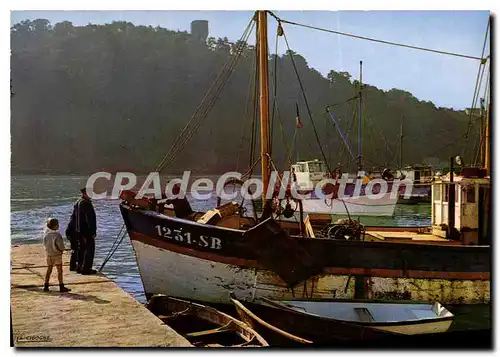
{"points": [[114, 247]]}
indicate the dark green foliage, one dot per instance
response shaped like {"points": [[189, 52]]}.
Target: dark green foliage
{"points": [[116, 96]]}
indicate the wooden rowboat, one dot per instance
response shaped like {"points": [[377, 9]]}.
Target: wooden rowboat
{"points": [[401, 318], [204, 326], [335, 322]]}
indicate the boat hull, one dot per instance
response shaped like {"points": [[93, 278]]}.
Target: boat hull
{"points": [[307, 327], [360, 204], [418, 329], [265, 320], [217, 261], [406, 318], [356, 206]]}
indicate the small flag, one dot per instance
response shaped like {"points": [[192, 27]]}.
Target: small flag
{"points": [[299, 123]]}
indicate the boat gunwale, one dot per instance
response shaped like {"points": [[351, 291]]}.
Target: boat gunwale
{"points": [[427, 245], [360, 323], [213, 310]]}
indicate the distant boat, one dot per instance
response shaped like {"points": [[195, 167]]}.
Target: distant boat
{"points": [[337, 321], [309, 173], [203, 326], [422, 177]]}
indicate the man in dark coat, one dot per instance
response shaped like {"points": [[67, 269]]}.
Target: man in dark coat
{"points": [[73, 239], [85, 230]]}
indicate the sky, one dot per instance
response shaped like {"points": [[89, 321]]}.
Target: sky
{"points": [[447, 81]]}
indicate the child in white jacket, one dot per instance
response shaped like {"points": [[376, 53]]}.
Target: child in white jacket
{"points": [[54, 248]]}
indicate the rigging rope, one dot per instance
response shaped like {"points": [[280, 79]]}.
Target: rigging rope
{"points": [[307, 103], [309, 109], [442, 148], [477, 87], [471, 122], [253, 140], [475, 97], [487, 87], [177, 140], [246, 116], [276, 170], [275, 93], [275, 110], [477, 147], [302, 135], [197, 125], [351, 125], [283, 136], [249, 172], [374, 127], [371, 134], [377, 40], [239, 51], [218, 84], [343, 102], [375, 163], [336, 126], [482, 131]]}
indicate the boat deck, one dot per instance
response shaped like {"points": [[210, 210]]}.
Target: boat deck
{"points": [[96, 313], [408, 237]]}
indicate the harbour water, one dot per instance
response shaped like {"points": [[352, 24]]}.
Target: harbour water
{"points": [[35, 198]]}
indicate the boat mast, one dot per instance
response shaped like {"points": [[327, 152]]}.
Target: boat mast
{"points": [[487, 125], [360, 123], [401, 145], [487, 140], [481, 132], [263, 98]]}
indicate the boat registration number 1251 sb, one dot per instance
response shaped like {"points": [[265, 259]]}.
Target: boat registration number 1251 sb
{"points": [[185, 237]]}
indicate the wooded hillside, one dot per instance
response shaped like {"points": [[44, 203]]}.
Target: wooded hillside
{"points": [[116, 96]]}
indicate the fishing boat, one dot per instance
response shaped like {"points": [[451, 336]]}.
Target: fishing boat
{"points": [[346, 198], [204, 326], [337, 321], [422, 177], [205, 256], [356, 206], [308, 174], [418, 174]]}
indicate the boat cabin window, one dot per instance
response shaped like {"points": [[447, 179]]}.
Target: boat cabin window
{"points": [[417, 176], [316, 167], [437, 192], [471, 194]]}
